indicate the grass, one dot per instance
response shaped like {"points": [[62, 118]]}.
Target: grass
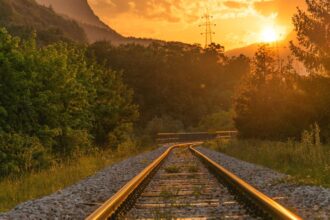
{"points": [[15, 190], [197, 191], [193, 169], [306, 162], [172, 169], [167, 194]]}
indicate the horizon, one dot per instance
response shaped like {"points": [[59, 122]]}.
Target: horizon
{"points": [[239, 23]]}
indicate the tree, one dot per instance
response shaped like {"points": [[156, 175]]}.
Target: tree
{"points": [[313, 33], [268, 101], [184, 82], [55, 102]]}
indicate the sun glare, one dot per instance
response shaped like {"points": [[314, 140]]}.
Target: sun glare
{"points": [[269, 35]]}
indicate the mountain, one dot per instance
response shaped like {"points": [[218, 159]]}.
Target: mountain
{"points": [[282, 47], [76, 9], [94, 28], [80, 11], [22, 17]]}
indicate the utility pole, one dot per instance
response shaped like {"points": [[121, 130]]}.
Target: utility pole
{"points": [[207, 24]]}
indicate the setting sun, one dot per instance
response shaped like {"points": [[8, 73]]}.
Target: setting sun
{"points": [[269, 34]]}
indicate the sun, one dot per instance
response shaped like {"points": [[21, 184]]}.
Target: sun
{"points": [[269, 35]]}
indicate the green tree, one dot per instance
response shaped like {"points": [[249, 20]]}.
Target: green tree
{"points": [[313, 33], [55, 101], [184, 82], [269, 104]]}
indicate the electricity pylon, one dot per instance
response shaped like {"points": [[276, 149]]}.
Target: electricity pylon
{"points": [[208, 24]]}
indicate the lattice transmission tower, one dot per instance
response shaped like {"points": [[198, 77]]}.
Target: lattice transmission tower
{"points": [[208, 24]]}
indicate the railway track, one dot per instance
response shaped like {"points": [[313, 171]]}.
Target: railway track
{"points": [[184, 184]]}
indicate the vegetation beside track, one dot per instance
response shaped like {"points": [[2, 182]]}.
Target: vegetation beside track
{"points": [[15, 190], [307, 161]]}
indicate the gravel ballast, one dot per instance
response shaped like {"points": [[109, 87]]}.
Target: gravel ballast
{"points": [[81, 199], [310, 202]]}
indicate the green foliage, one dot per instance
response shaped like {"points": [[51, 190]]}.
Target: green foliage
{"points": [[60, 99], [217, 122], [307, 162], [21, 153], [184, 82], [127, 147], [172, 169], [37, 184], [24, 17], [313, 34], [266, 101], [163, 124], [114, 99]]}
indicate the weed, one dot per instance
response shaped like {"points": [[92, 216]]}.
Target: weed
{"points": [[193, 169], [172, 169], [197, 191], [308, 161], [15, 190]]}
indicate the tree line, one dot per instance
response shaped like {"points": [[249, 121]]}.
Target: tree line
{"points": [[64, 99], [176, 80]]}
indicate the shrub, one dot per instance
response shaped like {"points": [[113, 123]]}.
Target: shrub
{"points": [[221, 120], [21, 153], [163, 124], [308, 161], [54, 98], [128, 147]]}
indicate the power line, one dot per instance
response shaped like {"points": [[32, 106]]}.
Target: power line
{"points": [[208, 24]]}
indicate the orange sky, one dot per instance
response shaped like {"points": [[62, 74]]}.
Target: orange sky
{"points": [[239, 22]]}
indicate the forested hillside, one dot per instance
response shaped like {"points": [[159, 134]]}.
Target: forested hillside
{"points": [[175, 80], [75, 9], [95, 29], [23, 17]]}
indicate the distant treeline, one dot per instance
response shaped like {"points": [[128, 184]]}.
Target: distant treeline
{"points": [[175, 80]]}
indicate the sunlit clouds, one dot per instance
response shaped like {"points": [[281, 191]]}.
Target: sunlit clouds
{"points": [[239, 22]]}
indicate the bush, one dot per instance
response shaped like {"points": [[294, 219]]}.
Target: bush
{"points": [[218, 121], [126, 148], [21, 153], [163, 124], [54, 98], [307, 161]]}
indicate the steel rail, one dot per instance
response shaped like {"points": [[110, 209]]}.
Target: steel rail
{"points": [[110, 206], [275, 209]]}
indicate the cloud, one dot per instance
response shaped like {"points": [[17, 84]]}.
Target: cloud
{"points": [[167, 10], [284, 8], [235, 4], [190, 10], [238, 21]]}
